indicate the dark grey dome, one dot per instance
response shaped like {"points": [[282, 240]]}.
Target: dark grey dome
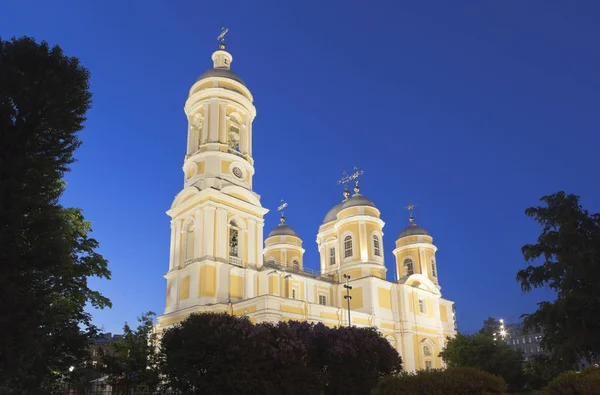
{"points": [[283, 230], [332, 214], [413, 230], [221, 73], [357, 200]]}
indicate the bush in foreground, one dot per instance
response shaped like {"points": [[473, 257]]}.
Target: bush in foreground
{"points": [[572, 383], [465, 381]]}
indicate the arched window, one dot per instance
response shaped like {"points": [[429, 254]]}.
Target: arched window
{"points": [[433, 271], [376, 248], [347, 246], [408, 263], [296, 264], [233, 135], [270, 260], [233, 239], [189, 241]]}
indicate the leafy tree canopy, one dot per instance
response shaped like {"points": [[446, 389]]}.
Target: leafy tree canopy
{"points": [[46, 255], [566, 258], [218, 353], [132, 361], [490, 326], [482, 352]]}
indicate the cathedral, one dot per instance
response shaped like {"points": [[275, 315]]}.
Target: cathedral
{"points": [[221, 262]]}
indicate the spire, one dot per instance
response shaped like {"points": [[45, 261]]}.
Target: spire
{"points": [[346, 178]]}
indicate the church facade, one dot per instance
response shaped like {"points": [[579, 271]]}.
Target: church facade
{"points": [[221, 262]]}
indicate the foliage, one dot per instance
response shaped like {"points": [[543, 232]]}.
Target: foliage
{"points": [[566, 258], [132, 361], [464, 381], [481, 352], [490, 326], [218, 353], [46, 254], [540, 369], [571, 383]]}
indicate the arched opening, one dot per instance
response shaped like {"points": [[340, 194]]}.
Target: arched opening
{"points": [[295, 264], [433, 268], [233, 240], [408, 264], [233, 134], [376, 246]]}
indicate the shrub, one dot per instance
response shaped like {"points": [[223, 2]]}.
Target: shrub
{"points": [[464, 381], [571, 383]]}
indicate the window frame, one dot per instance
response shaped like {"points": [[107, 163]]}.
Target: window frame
{"points": [[376, 243], [412, 266], [348, 251], [323, 300], [332, 260]]}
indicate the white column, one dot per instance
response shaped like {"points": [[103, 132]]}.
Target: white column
{"points": [[177, 255], [208, 231], [204, 134], [244, 139], [222, 233], [259, 242], [172, 247], [250, 136], [223, 122], [214, 121], [199, 232], [251, 242]]}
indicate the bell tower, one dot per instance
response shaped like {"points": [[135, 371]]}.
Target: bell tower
{"points": [[216, 219]]}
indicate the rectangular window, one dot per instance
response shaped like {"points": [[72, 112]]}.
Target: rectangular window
{"points": [[323, 300], [517, 341], [428, 365], [332, 256], [293, 294], [538, 348], [529, 339], [422, 306]]}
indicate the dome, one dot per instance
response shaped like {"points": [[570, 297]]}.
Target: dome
{"points": [[283, 230], [221, 73], [413, 230], [332, 214], [357, 200]]}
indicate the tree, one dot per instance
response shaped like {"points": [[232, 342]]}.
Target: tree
{"points": [[481, 352], [352, 360], [212, 354], [566, 258], [132, 361], [217, 353], [491, 326], [46, 254]]}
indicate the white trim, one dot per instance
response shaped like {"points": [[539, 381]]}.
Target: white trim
{"points": [[372, 241], [415, 245]]}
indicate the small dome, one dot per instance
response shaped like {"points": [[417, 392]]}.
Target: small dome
{"points": [[283, 230], [221, 73], [332, 214], [413, 230], [357, 200]]}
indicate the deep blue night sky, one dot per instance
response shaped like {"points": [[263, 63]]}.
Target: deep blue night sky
{"points": [[473, 110]]}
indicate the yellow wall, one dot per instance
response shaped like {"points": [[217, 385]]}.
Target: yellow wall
{"points": [[236, 286], [273, 285], [385, 298], [443, 313], [208, 281], [357, 298], [380, 273], [184, 290], [354, 273]]}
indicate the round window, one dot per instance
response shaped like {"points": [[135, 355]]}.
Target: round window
{"points": [[237, 172]]}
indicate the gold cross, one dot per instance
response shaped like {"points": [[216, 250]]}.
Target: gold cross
{"points": [[410, 208], [282, 206], [346, 178], [221, 37]]}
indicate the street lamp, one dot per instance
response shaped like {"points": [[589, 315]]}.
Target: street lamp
{"points": [[347, 296], [71, 369]]}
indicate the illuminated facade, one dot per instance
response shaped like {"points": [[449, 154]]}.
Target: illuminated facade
{"points": [[218, 262]]}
